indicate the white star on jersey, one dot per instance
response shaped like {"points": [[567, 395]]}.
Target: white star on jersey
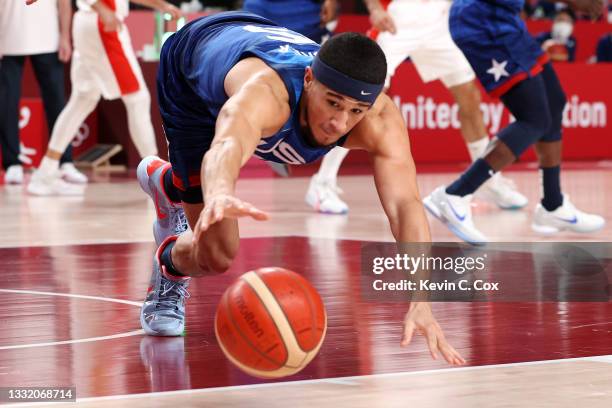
{"points": [[498, 69]]}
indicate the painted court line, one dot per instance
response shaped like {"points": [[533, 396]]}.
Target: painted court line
{"points": [[73, 341]]}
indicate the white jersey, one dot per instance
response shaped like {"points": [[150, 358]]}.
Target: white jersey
{"points": [[121, 7], [424, 36], [28, 30], [103, 62]]}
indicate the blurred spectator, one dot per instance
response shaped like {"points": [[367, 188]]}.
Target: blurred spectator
{"points": [[559, 43], [604, 48], [545, 9], [40, 32]]}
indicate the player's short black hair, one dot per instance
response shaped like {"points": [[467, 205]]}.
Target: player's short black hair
{"points": [[356, 56]]}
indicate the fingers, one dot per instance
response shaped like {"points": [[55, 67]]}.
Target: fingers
{"points": [[432, 343], [436, 342], [451, 355], [217, 210], [409, 328]]}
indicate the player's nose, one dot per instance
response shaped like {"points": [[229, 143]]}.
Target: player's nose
{"points": [[339, 122]]}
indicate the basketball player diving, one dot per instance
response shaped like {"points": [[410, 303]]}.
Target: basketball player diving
{"points": [[235, 85]]}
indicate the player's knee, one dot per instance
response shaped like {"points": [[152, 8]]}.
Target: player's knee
{"points": [[87, 100], [140, 97]]}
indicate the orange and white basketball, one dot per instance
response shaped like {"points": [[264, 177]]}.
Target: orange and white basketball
{"points": [[270, 323]]}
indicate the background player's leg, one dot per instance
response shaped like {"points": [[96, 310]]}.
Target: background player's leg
{"points": [[499, 190], [49, 72], [11, 71], [528, 102], [549, 147], [467, 96], [323, 190], [555, 212], [45, 180], [138, 107]]}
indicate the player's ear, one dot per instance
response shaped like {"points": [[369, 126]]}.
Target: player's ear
{"points": [[308, 77]]}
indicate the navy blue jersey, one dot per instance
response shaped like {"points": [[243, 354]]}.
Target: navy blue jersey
{"points": [[495, 40], [302, 16], [193, 65]]}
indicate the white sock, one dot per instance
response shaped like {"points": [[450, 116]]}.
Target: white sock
{"points": [[331, 164], [48, 166], [477, 148]]}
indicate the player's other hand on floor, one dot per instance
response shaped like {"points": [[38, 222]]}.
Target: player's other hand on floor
{"points": [[171, 9], [420, 319], [222, 206]]}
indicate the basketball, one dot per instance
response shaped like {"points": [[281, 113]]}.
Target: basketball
{"points": [[270, 323]]}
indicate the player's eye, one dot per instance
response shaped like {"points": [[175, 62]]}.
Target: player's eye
{"points": [[356, 111], [333, 103]]}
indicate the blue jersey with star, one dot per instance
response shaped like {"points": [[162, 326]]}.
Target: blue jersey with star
{"points": [[495, 40], [194, 63]]}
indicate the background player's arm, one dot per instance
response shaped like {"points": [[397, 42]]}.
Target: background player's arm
{"points": [[110, 21], [258, 106], [65, 17], [379, 17], [160, 5]]}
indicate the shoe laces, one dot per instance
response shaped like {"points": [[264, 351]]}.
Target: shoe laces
{"points": [[172, 293], [179, 220]]}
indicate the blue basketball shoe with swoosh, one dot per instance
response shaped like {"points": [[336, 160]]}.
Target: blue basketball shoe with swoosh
{"points": [[170, 218], [456, 213], [565, 218]]}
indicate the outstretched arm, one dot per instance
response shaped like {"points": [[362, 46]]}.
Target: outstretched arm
{"points": [[65, 17], [383, 133], [258, 106]]}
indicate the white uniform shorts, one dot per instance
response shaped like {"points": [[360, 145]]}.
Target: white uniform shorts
{"points": [[103, 62], [424, 36]]}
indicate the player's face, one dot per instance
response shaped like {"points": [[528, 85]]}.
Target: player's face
{"points": [[328, 114]]}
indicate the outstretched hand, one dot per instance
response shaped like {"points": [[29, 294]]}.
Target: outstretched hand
{"points": [[223, 206], [420, 319]]}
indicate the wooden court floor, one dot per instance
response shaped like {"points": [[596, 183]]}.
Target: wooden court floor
{"points": [[73, 272]]}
